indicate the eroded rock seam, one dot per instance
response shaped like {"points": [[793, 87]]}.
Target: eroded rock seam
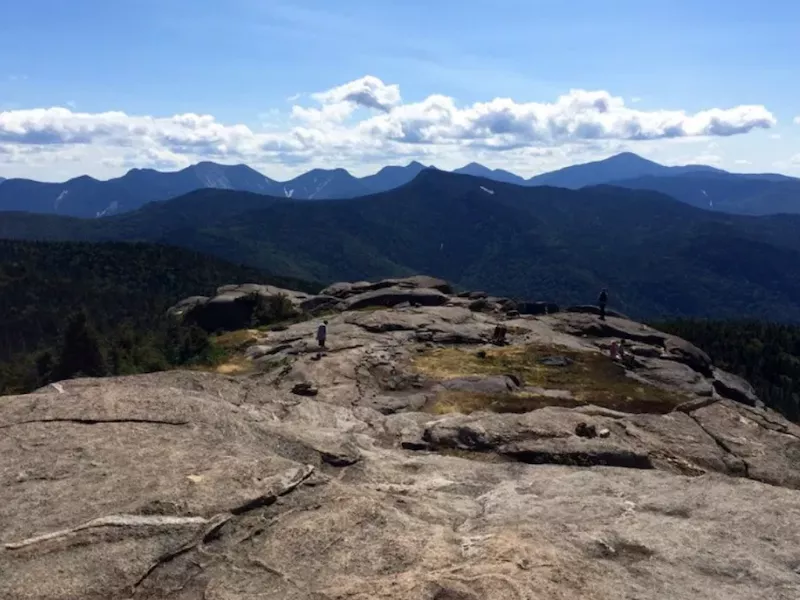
{"points": [[97, 422]]}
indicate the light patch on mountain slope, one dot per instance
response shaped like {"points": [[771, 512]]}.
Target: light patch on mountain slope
{"points": [[59, 199]]}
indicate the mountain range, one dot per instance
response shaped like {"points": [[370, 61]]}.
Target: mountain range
{"points": [[699, 185], [658, 256]]}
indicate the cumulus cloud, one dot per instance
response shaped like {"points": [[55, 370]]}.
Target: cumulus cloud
{"points": [[368, 119], [369, 92], [578, 115]]}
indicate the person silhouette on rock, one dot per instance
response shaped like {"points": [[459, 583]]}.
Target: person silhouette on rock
{"points": [[322, 334], [602, 300]]}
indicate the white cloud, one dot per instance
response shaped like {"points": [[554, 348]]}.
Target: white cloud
{"points": [[366, 121], [369, 92], [795, 160], [706, 159], [797, 120], [743, 161]]}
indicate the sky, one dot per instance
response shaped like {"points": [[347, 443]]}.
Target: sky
{"points": [[99, 87]]}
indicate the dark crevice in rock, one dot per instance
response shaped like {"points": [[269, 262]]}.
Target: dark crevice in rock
{"points": [[623, 459], [270, 498], [695, 404], [97, 422]]}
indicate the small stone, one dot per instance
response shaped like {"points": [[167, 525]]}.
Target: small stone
{"points": [[604, 433], [481, 354], [305, 389], [555, 361], [585, 430]]}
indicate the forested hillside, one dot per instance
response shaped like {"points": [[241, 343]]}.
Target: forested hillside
{"points": [[109, 300], [659, 257], [766, 354]]}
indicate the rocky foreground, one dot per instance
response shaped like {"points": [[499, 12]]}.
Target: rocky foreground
{"points": [[413, 459]]}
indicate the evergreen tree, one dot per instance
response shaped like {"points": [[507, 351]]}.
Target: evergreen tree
{"points": [[81, 353]]}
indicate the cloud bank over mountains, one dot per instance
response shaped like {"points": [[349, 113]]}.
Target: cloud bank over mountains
{"points": [[361, 120]]}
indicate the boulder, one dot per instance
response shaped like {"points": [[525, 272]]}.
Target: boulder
{"points": [[591, 309], [186, 305], [420, 282], [734, 388], [346, 290], [225, 312], [537, 308], [392, 296], [496, 384], [304, 389], [682, 351], [480, 305], [316, 304]]}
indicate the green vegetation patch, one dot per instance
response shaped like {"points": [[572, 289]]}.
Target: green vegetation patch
{"points": [[591, 378]]}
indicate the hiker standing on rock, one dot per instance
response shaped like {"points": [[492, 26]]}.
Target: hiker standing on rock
{"points": [[322, 334], [602, 300]]}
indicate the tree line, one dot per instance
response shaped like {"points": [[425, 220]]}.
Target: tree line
{"points": [[765, 354]]}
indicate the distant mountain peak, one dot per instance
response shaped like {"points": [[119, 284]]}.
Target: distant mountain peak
{"points": [[630, 158]]}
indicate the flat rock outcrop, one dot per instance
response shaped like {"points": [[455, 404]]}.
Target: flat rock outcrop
{"points": [[412, 459]]}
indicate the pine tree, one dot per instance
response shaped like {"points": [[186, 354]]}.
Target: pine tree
{"points": [[81, 353]]}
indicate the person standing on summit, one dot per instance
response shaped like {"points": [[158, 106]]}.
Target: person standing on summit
{"points": [[602, 300], [322, 334]]}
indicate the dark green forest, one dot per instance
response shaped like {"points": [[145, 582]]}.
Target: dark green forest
{"points": [[765, 354], [100, 309]]}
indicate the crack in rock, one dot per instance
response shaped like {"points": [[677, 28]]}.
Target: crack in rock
{"points": [[97, 421], [623, 459], [722, 445], [285, 486], [209, 533]]}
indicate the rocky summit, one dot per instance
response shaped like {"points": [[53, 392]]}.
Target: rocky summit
{"points": [[423, 454]]}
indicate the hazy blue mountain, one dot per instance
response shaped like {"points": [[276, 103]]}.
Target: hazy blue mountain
{"points": [[392, 176], [657, 255], [477, 170], [88, 197], [726, 192], [324, 184], [620, 166]]}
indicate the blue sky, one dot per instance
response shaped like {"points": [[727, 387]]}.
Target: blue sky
{"points": [[248, 62]]}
